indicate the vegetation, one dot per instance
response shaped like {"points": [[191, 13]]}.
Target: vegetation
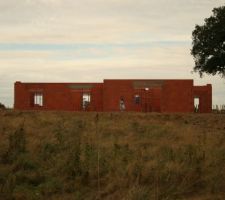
{"points": [[209, 44], [127, 156], [2, 106]]}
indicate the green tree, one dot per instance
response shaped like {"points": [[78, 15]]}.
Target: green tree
{"points": [[208, 43]]}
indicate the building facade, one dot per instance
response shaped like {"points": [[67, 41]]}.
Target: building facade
{"points": [[115, 95]]}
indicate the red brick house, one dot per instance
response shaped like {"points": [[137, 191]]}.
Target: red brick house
{"points": [[136, 95]]}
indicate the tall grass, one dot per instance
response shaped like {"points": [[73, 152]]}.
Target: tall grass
{"points": [[111, 156]]}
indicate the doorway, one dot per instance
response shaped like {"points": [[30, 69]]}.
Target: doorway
{"points": [[196, 104], [86, 100]]}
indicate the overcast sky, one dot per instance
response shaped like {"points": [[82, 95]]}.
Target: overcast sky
{"points": [[92, 40]]}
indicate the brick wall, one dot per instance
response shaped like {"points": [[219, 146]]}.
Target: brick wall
{"points": [[155, 96]]}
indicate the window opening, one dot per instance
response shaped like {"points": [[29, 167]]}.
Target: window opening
{"points": [[38, 99], [137, 99]]}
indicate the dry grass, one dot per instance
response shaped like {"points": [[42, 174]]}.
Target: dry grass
{"points": [[54, 155]]}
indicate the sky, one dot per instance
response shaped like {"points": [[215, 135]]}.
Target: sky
{"points": [[92, 40]]}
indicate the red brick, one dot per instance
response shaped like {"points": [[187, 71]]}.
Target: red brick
{"points": [[155, 96]]}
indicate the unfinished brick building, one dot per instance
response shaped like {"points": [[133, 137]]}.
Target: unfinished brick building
{"points": [[136, 95]]}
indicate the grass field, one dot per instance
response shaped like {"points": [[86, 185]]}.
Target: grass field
{"points": [[112, 156]]}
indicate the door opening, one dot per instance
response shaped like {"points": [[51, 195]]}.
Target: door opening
{"points": [[196, 104], [86, 100]]}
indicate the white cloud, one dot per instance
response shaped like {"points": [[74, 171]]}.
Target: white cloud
{"points": [[101, 21]]}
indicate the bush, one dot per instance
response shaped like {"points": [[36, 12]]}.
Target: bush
{"points": [[51, 187], [24, 192], [2, 106], [138, 193], [17, 146]]}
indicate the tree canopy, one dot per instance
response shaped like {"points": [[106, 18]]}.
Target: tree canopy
{"points": [[208, 45]]}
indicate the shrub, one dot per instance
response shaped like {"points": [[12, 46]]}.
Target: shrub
{"points": [[17, 141], [138, 193], [2, 106], [24, 162], [24, 192], [17, 145], [50, 187]]}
